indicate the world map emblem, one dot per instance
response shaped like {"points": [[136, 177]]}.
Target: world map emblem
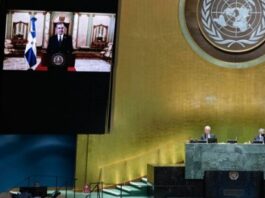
{"points": [[232, 25]]}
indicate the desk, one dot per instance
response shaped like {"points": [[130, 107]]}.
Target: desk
{"points": [[35, 191], [169, 181], [224, 157]]}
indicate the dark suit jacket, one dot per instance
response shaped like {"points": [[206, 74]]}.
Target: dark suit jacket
{"points": [[203, 137], [258, 138], [65, 47]]}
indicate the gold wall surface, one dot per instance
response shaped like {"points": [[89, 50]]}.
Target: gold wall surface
{"points": [[164, 93]]}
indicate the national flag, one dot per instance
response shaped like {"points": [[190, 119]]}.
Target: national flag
{"points": [[31, 49]]}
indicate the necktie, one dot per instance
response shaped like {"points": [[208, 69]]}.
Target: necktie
{"points": [[60, 39]]}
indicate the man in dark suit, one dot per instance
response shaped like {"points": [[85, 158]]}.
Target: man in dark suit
{"points": [[207, 134], [261, 135], [60, 49]]}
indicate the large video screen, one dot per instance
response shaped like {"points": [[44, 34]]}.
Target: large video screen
{"points": [[56, 65], [56, 40]]}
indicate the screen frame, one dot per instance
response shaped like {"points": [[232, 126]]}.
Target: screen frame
{"points": [[96, 6]]}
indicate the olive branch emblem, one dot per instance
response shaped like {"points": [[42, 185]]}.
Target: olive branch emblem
{"points": [[217, 36]]}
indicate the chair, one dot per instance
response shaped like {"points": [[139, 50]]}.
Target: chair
{"points": [[99, 36], [106, 53], [19, 35], [9, 47]]}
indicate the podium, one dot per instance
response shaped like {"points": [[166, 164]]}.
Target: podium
{"points": [[238, 184], [212, 171], [40, 191], [169, 181], [60, 61]]}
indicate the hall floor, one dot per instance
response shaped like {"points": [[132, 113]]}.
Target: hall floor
{"points": [[81, 64]]}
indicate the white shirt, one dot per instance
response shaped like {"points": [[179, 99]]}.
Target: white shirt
{"points": [[60, 37], [261, 137]]}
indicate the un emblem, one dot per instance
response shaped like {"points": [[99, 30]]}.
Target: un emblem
{"points": [[234, 175], [228, 33], [233, 26]]}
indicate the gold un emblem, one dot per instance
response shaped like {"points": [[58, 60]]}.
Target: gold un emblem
{"points": [[232, 25]]}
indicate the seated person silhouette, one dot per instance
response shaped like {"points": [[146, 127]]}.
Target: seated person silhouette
{"points": [[60, 49], [260, 137], [207, 134]]}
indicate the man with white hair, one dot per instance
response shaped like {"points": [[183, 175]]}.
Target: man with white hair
{"points": [[207, 133], [261, 135]]}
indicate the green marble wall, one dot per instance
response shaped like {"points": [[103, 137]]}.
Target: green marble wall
{"points": [[226, 157]]}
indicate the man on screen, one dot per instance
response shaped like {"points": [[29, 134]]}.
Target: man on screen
{"points": [[60, 49], [207, 133], [261, 135]]}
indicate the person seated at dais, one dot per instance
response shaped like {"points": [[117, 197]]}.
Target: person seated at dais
{"points": [[261, 135], [207, 134]]}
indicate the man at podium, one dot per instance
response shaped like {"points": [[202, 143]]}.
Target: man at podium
{"points": [[207, 134], [60, 49], [261, 135]]}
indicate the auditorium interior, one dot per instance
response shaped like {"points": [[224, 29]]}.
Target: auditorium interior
{"points": [[170, 80]]}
